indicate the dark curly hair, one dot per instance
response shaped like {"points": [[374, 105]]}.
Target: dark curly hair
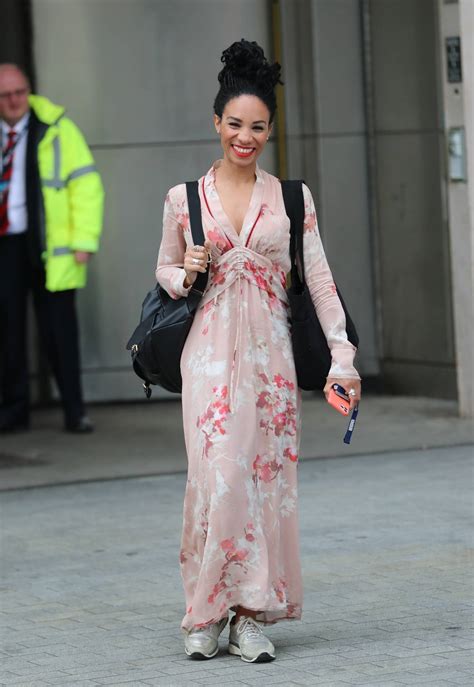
{"points": [[247, 71]]}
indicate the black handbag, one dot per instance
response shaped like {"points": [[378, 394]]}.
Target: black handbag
{"points": [[158, 341], [310, 348]]}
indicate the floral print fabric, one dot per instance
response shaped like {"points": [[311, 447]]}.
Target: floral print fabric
{"points": [[241, 405]]}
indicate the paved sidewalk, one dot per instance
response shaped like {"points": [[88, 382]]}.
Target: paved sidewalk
{"points": [[91, 592], [147, 438]]}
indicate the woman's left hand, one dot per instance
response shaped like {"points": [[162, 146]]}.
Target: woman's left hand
{"points": [[349, 385]]}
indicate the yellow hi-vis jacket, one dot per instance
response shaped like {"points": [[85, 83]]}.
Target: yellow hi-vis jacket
{"points": [[72, 194]]}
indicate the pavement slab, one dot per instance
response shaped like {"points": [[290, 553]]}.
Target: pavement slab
{"points": [[141, 439], [90, 591]]}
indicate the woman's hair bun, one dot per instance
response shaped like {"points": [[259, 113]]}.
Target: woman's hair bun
{"points": [[246, 61]]}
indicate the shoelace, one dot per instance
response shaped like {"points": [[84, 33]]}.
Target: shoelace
{"points": [[250, 628]]}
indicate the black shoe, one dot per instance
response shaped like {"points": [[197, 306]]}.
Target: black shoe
{"points": [[83, 426]]}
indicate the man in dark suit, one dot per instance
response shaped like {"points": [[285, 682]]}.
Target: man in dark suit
{"points": [[51, 206]]}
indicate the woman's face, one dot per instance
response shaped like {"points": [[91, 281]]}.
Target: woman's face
{"points": [[244, 129]]}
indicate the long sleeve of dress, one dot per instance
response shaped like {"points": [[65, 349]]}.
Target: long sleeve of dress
{"points": [[169, 270], [323, 293]]}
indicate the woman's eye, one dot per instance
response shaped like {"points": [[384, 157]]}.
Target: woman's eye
{"points": [[258, 128], [234, 125]]}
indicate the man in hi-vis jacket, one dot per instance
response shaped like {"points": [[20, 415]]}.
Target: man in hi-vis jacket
{"points": [[51, 207]]}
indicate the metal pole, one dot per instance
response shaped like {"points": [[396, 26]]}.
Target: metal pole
{"points": [[366, 28], [280, 94]]}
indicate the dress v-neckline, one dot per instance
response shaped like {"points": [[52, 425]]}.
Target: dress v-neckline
{"points": [[246, 212], [251, 215]]}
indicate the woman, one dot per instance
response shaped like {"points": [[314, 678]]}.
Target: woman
{"points": [[241, 406]]}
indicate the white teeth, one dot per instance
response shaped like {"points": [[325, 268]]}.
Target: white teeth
{"points": [[243, 150]]}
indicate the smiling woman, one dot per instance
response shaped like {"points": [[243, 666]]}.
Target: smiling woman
{"points": [[241, 404]]}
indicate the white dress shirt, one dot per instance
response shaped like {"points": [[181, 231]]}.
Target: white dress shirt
{"points": [[17, 214]]}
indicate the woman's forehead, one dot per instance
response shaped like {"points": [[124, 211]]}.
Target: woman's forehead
{"points": [[247, 108]]}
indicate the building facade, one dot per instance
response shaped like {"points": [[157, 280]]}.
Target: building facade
{"points": [[376, 115]]}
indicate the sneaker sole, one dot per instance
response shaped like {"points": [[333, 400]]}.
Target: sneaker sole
{"points": [[264, 657], [198, 656]]}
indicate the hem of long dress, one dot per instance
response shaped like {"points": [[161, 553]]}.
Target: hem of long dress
{"points": [[265, 620]]}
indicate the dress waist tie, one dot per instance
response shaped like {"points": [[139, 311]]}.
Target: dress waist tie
{"points": [[235, 371]]}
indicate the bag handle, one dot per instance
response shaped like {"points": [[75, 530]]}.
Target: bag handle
{"points": [[293, 198], [195, 221], [294, 205]]}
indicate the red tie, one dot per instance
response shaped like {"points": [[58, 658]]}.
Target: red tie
{"points": [[7, 167]]}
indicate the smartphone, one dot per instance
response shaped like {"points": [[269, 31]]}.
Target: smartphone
{"points": [[339, 399]]}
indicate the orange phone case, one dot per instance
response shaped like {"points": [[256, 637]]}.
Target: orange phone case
{"points": [[339, 403]]}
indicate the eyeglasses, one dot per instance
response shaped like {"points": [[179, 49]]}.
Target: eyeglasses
{"points": [[17, 94]]}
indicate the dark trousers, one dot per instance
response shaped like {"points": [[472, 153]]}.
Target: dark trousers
{"points": [[58, 328]]}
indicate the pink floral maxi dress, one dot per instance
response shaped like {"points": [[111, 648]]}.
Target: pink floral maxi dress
{"points": [[241, 405]]}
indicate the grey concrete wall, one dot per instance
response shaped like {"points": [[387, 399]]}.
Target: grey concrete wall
{"points": [[458, 106], [466, 385], [418, 352], [139, 77], [327, 144]]}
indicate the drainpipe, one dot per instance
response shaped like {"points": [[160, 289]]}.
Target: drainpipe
{"points": [[368, 85], [280, 119]]}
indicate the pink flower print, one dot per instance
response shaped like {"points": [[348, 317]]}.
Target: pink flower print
{"points": [[217, 589], [276, 402], [221, 242], [204, 524], [292, 610], [212, 421], [183, 220], [288, 453], [262, 399], [279, 588], [233, 557], [218, 276], [266, 474], [209, 314], [310, 221], [333, 288], [227, 544], [259, 274], [248, 532], [265, 471], [279, 422]]}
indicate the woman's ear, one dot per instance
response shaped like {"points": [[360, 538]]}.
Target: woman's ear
{"points": [[217, 123], [270, 129]]}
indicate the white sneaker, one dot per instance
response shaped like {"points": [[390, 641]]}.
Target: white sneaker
{"points": [[247, 640], [203, 642]]}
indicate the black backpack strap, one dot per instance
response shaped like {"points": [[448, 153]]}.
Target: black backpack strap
{"points": [[294, 205], [195, 221]]}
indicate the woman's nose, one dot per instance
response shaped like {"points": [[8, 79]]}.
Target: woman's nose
{"points": [[245, 136]]}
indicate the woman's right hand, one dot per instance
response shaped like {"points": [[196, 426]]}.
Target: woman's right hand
{"points": [[195, 260]]}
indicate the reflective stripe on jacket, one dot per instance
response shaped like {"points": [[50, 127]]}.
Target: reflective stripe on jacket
{"points": [[72, 194]]}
